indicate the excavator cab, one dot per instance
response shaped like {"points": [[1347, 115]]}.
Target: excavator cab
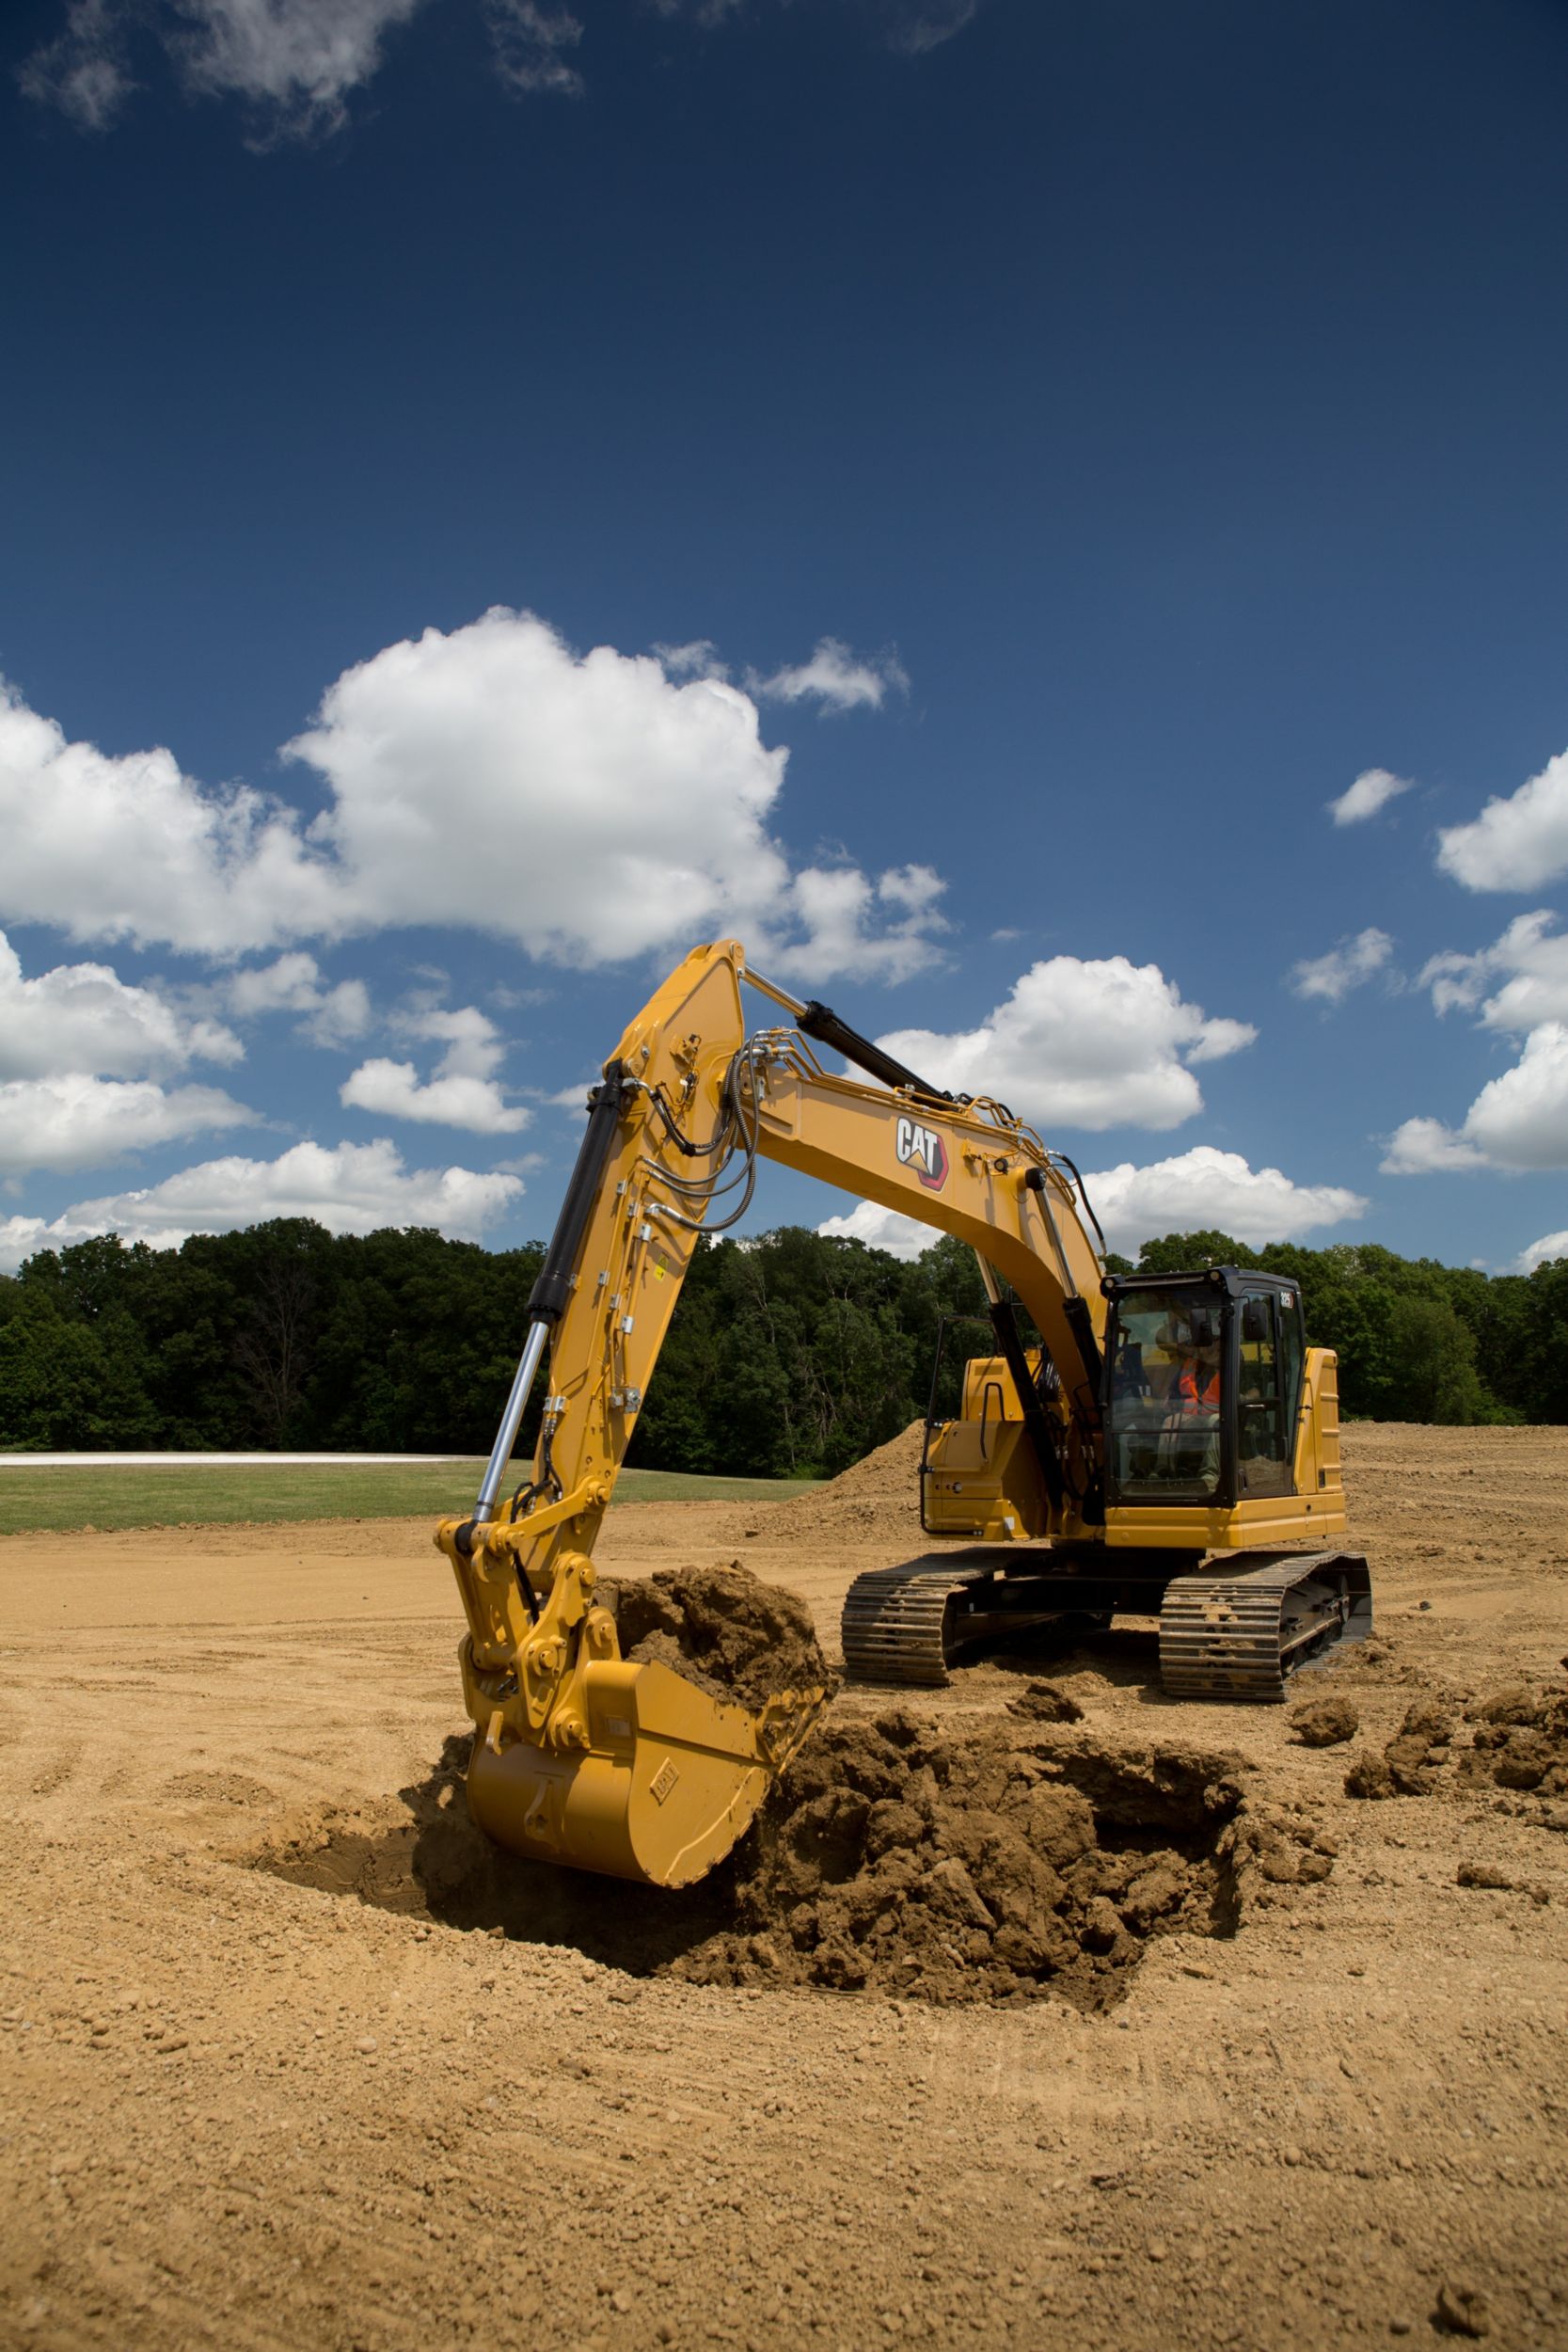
{"points": [[1203, 1388]]}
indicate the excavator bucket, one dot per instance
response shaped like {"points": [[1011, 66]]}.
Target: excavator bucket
{"points": [[664, 1782]]}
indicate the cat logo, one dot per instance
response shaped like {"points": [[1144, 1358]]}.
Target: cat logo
{"points": [[922, 1149]]}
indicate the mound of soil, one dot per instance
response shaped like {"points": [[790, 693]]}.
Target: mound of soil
{"points": [[1520, 1740], [996, 1866], [971, 1869], [875, 1499], [1411, 1761], [722, 1629]]}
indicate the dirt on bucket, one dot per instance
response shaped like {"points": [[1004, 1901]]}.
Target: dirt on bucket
{"points": [[722, 1629]]}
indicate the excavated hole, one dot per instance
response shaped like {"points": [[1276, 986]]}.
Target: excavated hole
{"points": [[1001, 1863]]}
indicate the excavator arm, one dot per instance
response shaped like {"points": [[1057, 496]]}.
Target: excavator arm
{"points": [[582, 1757]]}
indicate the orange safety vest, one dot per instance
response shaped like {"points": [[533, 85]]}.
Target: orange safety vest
{"points": [[1192, 1395]]}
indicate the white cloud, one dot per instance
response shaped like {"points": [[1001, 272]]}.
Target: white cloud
{"points": [[393, 1089], [882, 1228], [83, 69], [462, 1093], [294, 61], [1206, 1187], [916, 27], [1424, 1146], [1344, 966], [1541, 1252], [300, 58], [1103, 1044], [73, 1120], [130, 848], [333, 1016], [83, 1017], [353, 1188], [1517, 843], [589, 808], [1517, 1120], [1202, 1188], [529, 42], [1374, 789], [866, 930], [1531, 962], [697, 659], [835, 677]]}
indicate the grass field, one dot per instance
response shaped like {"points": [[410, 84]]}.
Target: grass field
{"points": [[42, 1501]]}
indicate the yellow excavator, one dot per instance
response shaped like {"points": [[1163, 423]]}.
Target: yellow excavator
{"points": [[1158, 1446]]}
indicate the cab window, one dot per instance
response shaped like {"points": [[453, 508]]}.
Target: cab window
{"points": [[1164, 1408]]}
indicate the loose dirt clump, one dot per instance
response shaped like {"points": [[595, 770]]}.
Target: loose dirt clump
{"points": [[1326, 1723], [1411, 1761], [722, 1629], [1520, 1740], [1043, 1703]]}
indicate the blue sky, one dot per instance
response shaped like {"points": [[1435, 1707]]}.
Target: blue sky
{"points": [[1048, 522]]}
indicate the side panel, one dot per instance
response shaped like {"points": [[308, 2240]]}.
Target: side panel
{"points": [[1272, 1520]]}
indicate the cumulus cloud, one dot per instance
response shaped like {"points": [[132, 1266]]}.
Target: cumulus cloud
{"points": [[1517, 843], [531, 45], [130, 848], [83, 1017], [835, 677], [618, 811], [1200, 1188], [882, 1228], [1346, 965], [1424, 1146], [882, 931], [332, 1016], [1101, 1043], [1209, 1187], [463, 1092], [1517, 1120], [1541, 1252], [352, 1188], [1374, 789], [1530, 961], [75, 1120]]}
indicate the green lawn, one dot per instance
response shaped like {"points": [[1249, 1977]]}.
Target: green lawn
{"points": [[45, 1500]]}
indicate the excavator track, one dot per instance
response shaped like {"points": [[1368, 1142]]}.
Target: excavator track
{"points": [[897, 1626], [1238, 1631]]}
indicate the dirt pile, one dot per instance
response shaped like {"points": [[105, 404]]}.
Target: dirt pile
{"points": [[1413, 1758], [724, 1628], [874, 1500], [1520, 1740], [989, 1868]]}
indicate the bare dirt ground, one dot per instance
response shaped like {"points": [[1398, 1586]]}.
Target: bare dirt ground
{"points": [[268, 2080]]}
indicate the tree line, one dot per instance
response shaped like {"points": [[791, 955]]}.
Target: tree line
{"points": [[792, 1353]]}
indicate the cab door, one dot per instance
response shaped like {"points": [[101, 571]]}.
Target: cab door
{"points": [[1264, 1421]]}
